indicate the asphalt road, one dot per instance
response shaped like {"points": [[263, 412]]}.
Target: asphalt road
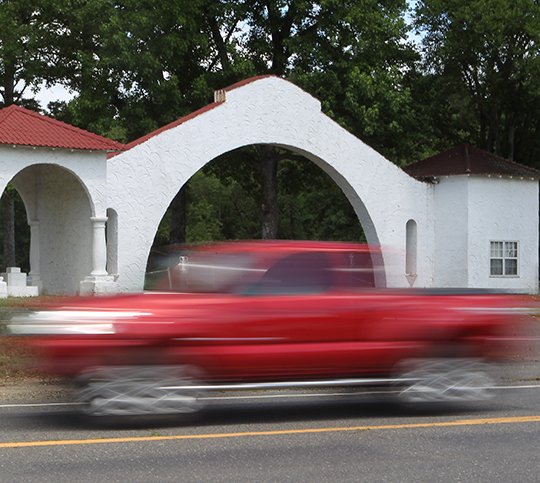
{"points": [[293, 437]]}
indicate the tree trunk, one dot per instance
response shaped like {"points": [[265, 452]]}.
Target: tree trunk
{"points": [[221, 47], [511, 139], [268, 164], [178, 217], [8, 223]]}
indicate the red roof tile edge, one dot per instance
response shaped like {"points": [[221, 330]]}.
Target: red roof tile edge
{"points": [[172, 124], [196, 113], [249, 80]]}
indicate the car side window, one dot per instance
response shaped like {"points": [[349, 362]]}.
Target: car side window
{"points": [[360, 271], [301, 273]]}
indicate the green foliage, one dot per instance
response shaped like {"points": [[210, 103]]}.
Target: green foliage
{"points": [[222, 206], [487, 52], [303, 187], [217, 209], [25, 28], [22, 231]]}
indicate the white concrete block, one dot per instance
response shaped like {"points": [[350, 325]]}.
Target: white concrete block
{"points": [[16, 279], [3, 288], [99, 285], [16, 291]]}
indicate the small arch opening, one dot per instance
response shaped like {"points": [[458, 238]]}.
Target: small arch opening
{"points": [[411, 248], [111, 236]]}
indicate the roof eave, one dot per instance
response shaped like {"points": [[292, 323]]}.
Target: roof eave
{"points": [[64, 148]]}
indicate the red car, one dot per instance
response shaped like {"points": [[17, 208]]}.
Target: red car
{"points": [[262, 315]]}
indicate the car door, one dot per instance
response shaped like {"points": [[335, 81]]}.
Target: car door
{"points": [[290, 323]]}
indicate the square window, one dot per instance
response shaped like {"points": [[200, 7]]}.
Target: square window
{"points": [[503, 258]]}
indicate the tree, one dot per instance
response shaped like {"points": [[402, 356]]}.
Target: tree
{"points": [[488, 54], [172, 56], [28, 58], [153, 62], [27, 49], [302, 186], [14, 232], [350, 54], [7, 215]]}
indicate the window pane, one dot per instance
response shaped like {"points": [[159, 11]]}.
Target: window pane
{"points": [[510, 267], [496, 249], [511, 249], [496, 267]]}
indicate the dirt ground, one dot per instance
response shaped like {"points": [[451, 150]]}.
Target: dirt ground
{"points": [[33, 390]]}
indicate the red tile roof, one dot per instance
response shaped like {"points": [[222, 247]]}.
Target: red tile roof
{"points": [[22, 127], [466, 159]]}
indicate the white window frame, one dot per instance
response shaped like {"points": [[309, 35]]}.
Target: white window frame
{"points": [[504, 258]]}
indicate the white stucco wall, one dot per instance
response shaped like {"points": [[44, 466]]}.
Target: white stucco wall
{"points": [[503, 209], [451, 232], [61, 190], [65, 233], [142, 181], [470, 212]]}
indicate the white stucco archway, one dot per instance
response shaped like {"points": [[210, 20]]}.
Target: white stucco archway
{"points": [[435, 227], [143, 180], [58, 211], [62, 192]]}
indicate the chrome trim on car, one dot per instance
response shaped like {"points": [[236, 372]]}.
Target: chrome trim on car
{"points": [[499, 310], [61, 329], [69, 322], [227, 339], [291, 384]]}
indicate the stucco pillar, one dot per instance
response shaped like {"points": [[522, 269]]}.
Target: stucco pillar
{"points": [[99, 246], [99, 282], [34, 277]]}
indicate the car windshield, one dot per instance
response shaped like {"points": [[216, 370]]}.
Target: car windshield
{"points": [[200, 272], [260, 271]]}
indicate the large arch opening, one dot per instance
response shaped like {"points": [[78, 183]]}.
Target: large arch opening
{"points": [[225, 201], [57, 208]]}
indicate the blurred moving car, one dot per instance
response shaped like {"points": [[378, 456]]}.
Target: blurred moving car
{"points": [[270, 314]]}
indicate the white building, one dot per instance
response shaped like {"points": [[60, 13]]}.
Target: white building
{"points": [[486, 223], [94, 205]]}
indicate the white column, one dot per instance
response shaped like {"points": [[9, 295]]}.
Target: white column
{"points": [[98, 282], [99, 246]]}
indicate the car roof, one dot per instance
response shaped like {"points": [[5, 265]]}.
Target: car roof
{"points": [[282, 246]]}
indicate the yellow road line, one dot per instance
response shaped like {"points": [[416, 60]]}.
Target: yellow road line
{"points": [[138, 439]]}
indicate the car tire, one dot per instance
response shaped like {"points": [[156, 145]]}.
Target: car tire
{"points": [[126, 391], [444, 380]]}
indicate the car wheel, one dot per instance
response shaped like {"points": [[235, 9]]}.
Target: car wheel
{"points": [[138, 391], [444, 380]]}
